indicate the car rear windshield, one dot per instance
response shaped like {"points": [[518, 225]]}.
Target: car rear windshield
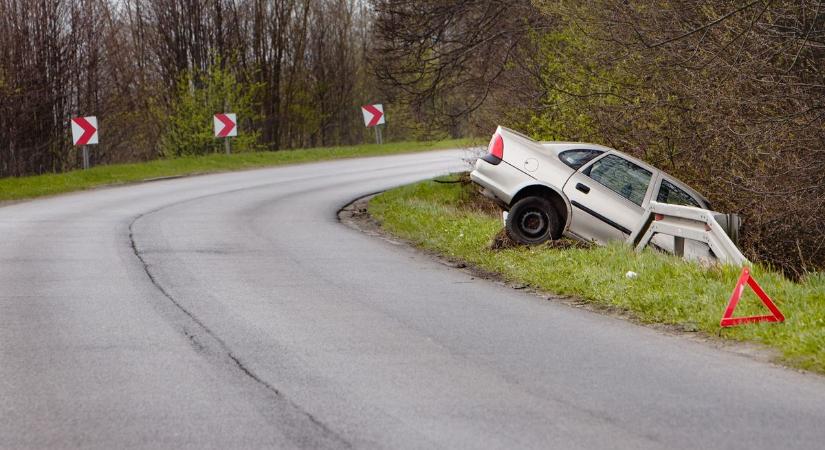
{"points": [[577, 158]]}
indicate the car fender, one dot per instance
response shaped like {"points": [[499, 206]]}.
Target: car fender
{"points": [[537, 183]]}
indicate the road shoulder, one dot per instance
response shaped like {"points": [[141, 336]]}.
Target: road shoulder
{"points": [[356, 216]]}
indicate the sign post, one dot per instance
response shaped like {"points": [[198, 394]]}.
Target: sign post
{"points": [[84, 132], [225, 126], [374, 117]]}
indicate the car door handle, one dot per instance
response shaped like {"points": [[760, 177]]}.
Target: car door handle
{"points": [[583, 188]]}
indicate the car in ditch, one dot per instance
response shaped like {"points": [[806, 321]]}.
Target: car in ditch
{"points": [[585, 191]]}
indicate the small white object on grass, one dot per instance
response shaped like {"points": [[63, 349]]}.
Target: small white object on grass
{"points": [[631, 274]]}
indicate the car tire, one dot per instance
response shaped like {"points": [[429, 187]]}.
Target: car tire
{"points": [[532, 220]]}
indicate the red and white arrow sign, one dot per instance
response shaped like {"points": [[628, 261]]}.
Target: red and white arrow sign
{"points": [[225, 125], [84, 130], [373, 114]]}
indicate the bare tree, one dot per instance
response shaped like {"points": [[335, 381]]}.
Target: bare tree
{"points": [[123, 61], [451, 56]]}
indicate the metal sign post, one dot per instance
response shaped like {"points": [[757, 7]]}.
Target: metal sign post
{"points": [[85, 157], [379, 139]]}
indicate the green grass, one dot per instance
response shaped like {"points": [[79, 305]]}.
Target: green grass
{"points": [[51, 184], [668, 290]]}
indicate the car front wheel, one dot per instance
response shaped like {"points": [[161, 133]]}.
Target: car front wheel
{"points": [[532, 220]]}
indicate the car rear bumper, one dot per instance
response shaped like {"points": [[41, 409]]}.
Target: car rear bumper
{"points": [[499, 181]]}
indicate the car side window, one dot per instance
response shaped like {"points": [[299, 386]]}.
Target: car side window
{"points": [[669, 193], [622, 177], [577, 158]]}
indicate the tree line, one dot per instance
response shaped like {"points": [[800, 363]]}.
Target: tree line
{"points": [[728, 96], [154, 72]]}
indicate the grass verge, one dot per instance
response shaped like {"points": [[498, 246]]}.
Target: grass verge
{"points": [[51, 184], [446, 218]]}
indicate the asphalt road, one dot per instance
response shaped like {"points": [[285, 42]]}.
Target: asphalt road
{"points": [[235, 311]]}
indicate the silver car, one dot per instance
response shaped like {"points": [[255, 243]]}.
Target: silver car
{"points": [[585, 191]]}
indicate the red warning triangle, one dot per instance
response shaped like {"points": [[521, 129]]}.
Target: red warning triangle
{"points": [[728, 320]]}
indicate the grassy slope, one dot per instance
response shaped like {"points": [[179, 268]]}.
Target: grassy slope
{"points": [[668, 290], [37, 186]]}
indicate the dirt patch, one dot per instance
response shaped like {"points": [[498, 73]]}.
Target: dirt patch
{"points": [[357, 216], [502, 241]]}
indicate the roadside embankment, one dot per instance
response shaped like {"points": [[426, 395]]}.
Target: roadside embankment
{"points": [[452, 220]]}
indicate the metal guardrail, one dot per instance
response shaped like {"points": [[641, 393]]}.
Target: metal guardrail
{"points": [[687, 223]]}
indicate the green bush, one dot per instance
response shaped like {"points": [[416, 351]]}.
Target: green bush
{"points": [[201, 95]]}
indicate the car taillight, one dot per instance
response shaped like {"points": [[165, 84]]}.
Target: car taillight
{"points": [[495, 151]]}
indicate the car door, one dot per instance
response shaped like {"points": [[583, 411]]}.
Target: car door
{"points": [[607, 197]]}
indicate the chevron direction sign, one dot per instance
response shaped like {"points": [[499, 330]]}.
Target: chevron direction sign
{"points": [[226, 125], [84, 130], [373, 115]]}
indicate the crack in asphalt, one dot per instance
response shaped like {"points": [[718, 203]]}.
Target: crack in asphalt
{"points": [[220, 349], [223, 350]]}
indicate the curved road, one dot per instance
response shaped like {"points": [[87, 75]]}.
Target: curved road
{"points": [[234, 311]]}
